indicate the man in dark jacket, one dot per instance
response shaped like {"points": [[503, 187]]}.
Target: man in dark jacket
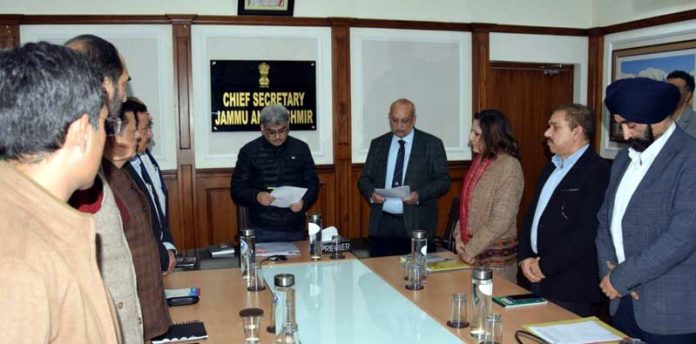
{"points": [[275, 159], [557, 253]]}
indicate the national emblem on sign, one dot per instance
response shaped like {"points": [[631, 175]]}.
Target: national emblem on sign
{"points": [[263, 75]]}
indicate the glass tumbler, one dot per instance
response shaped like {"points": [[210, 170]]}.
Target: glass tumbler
{"points": [[459, 318]]}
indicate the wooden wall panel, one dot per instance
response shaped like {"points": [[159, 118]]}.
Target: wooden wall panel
{"points": [[173, 211], [480, 63], [340, 61], [216, 216], [595, 88], [9, 31]]}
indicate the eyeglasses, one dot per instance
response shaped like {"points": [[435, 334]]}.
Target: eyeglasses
{"points": [[278, 132], [404, 121], [113, 126]]}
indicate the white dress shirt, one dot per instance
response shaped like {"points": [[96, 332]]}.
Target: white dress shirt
{"points": [[396, 205], [563, 166], [636, 170]]}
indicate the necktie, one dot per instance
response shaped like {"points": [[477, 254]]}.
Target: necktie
{"points": [[399, 166], [152, 191]]}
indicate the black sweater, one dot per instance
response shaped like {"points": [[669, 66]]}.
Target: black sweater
{"points": [[261, 166]]}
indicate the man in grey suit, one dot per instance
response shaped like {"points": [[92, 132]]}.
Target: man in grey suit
{"points": [[684, 115], [646, 240], [403, 157]]}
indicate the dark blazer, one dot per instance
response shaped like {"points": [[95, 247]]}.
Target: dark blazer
{"points": [[659, 238], [427, 173], [160, 228], [566, 231]]}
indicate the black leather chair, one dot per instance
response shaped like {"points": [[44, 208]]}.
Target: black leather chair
{"points": [[447, 240], [242, 217]]}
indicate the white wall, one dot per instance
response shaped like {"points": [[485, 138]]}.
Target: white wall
{"points": [[565, 13], [609, 12], [431, 68], [149, 61], [575, 13]]}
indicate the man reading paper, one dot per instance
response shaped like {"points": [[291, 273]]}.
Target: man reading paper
{"points": [[273, 160], [403, 156]]}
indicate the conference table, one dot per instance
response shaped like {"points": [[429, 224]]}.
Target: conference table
{"points": [[348, 301]]}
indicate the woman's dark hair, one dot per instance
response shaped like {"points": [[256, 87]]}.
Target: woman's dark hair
{"points": [[496, 133]]}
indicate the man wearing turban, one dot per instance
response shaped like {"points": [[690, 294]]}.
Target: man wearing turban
{"points": [[646, 240]]}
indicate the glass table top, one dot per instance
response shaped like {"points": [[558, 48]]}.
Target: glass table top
{"points": [[345, 302]]}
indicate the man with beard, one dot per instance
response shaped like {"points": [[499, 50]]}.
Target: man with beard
{"points": [[105, 56], [137, 223], [646, 240], [113, 253], [557, 243], [684, 115]]}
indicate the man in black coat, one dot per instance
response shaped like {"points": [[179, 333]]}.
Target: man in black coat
{"points": [[422, 166], [275, 159], [557, 252]]}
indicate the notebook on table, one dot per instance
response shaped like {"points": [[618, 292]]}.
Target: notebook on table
{"points": [[516, 301], [183, 332]]}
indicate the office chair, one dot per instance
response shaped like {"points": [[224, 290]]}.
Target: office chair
{"points": [[448, 240], [242, 218]]}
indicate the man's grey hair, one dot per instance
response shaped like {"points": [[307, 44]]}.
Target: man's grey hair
{"points": [[275, 114]]}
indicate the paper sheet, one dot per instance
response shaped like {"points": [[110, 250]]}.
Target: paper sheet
{"points": [[400, 192], [581, 331], [267, 249], [328, 233], [287, 195]]}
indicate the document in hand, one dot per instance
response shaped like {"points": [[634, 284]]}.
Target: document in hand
{"points": [[287, 195], [582, 330], [400, 192]]}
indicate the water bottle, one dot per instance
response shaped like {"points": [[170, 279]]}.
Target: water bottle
{"points": [[284, 301], [247, 251], [314, 226], [481, 299], [419, 251]]}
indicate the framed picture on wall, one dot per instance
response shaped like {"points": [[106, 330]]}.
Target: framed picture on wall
{"points": [[655, 62], [265, 7]]}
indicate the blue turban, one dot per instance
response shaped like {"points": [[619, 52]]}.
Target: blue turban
{"points": [[642, 100]]}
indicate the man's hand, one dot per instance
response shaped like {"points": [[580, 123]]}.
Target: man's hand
{"points": [[530, 269], [172, 263], [377, 198], [608, 289], [264, 198], [412, 198], [297, 207]]}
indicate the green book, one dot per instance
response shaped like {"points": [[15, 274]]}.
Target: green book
{"points": [[516, 301], [447, 265]]}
